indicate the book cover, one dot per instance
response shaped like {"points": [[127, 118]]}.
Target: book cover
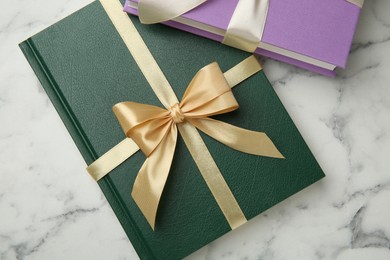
{"points": [[85, 68], [316, 35]]}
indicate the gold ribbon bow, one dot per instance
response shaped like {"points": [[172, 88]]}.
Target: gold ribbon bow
{"points": [[154, 130]]}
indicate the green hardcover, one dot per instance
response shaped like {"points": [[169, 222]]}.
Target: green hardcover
{"points": [[85, 69]]}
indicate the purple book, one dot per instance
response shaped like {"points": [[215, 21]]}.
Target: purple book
{"points": [[311, 34]]}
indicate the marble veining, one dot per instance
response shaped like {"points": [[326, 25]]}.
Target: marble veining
{"points": [[51, 209]]}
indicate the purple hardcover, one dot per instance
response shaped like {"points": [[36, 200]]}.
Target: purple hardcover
{"points": [[319, 29]]}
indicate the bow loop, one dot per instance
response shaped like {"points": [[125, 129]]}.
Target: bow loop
{"points": [[147, 125], [208, 94]]}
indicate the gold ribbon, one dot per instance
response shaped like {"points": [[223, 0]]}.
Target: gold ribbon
{"points": [[154, 129]]}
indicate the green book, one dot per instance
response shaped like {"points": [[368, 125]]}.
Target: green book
{"points": [[85, 68]]}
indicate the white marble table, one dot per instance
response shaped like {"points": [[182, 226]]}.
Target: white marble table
{"points": [[51, 209]]}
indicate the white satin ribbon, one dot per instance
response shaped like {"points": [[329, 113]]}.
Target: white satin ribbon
{"points": [[247, 24], [359, 3], [157, 11], [245, 29]]}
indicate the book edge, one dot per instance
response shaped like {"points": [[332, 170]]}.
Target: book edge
{"points": [[86, 150]]}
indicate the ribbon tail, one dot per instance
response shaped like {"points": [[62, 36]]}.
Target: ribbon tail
{"points": [[243, 140], [151, 178]]}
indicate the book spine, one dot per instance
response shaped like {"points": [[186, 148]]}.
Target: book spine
{"points": [[46, 79]]}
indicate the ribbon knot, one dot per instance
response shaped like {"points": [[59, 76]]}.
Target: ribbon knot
{"points": [[176, 114], [155, 129]]}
